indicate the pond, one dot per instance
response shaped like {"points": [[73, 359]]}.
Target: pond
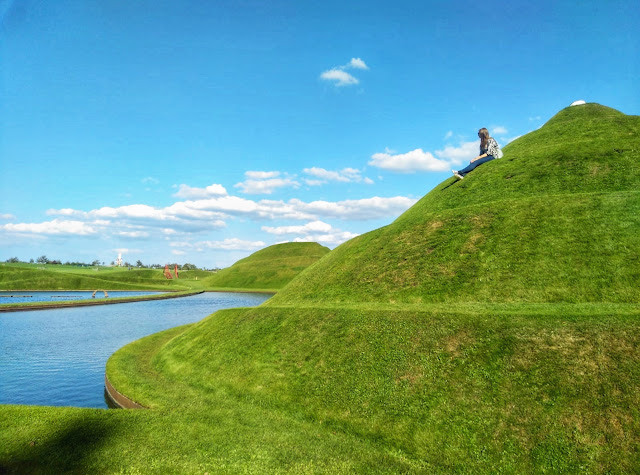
{"points": [[57, 357]]}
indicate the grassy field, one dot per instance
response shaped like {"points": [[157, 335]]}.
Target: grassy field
{"points": [[494, 327], [63, 277], [268, 269]]}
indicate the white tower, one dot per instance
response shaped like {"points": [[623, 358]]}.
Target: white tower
{"points": [[119, 260]]}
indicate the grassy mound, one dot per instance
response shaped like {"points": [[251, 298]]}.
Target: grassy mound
{"points": [[493, 327], [556, 220], [270, 268]]}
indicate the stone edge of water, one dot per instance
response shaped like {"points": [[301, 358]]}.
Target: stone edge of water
{"points": [[119, 399], [88, 303]]}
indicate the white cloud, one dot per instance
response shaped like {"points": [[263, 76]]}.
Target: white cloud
{"points": [[357, 63], [177, 252], [416, 160], [313, 226], [363, 209], [7, 216], [315, 231], [203, 212], [63, 212], [346, 175], [456, 155], [258, 175], [341, 78], [265, 187], [179, 215], [499, 130], [229, 244], [132, 234], [184, 218], [54, 227], [265, 183], [314, 182], [150, 181], [330, 239], [448, 135], [186, 191]]}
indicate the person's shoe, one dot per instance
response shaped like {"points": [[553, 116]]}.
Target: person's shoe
{"points": [[457, 175]]}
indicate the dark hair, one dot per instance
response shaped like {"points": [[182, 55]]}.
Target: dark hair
{"points": [[483, 133]]}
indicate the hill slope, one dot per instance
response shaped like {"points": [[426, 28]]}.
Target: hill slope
{"points": [[270, 268], [556, 220]]}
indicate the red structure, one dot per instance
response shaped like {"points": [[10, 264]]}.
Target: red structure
{"points": [[167, 272], [175, 271]]}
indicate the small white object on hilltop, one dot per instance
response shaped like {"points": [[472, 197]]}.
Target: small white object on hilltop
{"points": [[577, 103]]}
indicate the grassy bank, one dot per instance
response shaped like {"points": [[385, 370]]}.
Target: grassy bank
{"points": [[403, 390]]}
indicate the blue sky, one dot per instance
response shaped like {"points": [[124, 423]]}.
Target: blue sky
{"points": [[201, 132]]}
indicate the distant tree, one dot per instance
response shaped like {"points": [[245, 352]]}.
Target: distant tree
{"points": [[95, 263], [139, 263], [42, 260], [188, 266], [13, 260], [30, 261]]}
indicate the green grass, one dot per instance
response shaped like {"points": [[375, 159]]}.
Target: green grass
{"points": [[494, 327], [266, 270], [61, 277], [270, 268], [403, 390]]}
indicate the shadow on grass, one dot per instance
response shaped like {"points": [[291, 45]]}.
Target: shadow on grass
{"points": [[63, 449], [450, 184]]}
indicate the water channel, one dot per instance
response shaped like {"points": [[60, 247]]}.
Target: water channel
{"points": [[57, 357]]}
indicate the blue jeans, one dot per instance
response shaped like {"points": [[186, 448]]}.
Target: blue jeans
{"points": [[475, 164]]}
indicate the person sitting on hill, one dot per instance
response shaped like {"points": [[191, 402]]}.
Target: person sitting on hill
{"points": [[489, 149]]}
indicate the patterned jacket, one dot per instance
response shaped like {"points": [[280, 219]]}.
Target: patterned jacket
{"points": [[492, 148]]}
